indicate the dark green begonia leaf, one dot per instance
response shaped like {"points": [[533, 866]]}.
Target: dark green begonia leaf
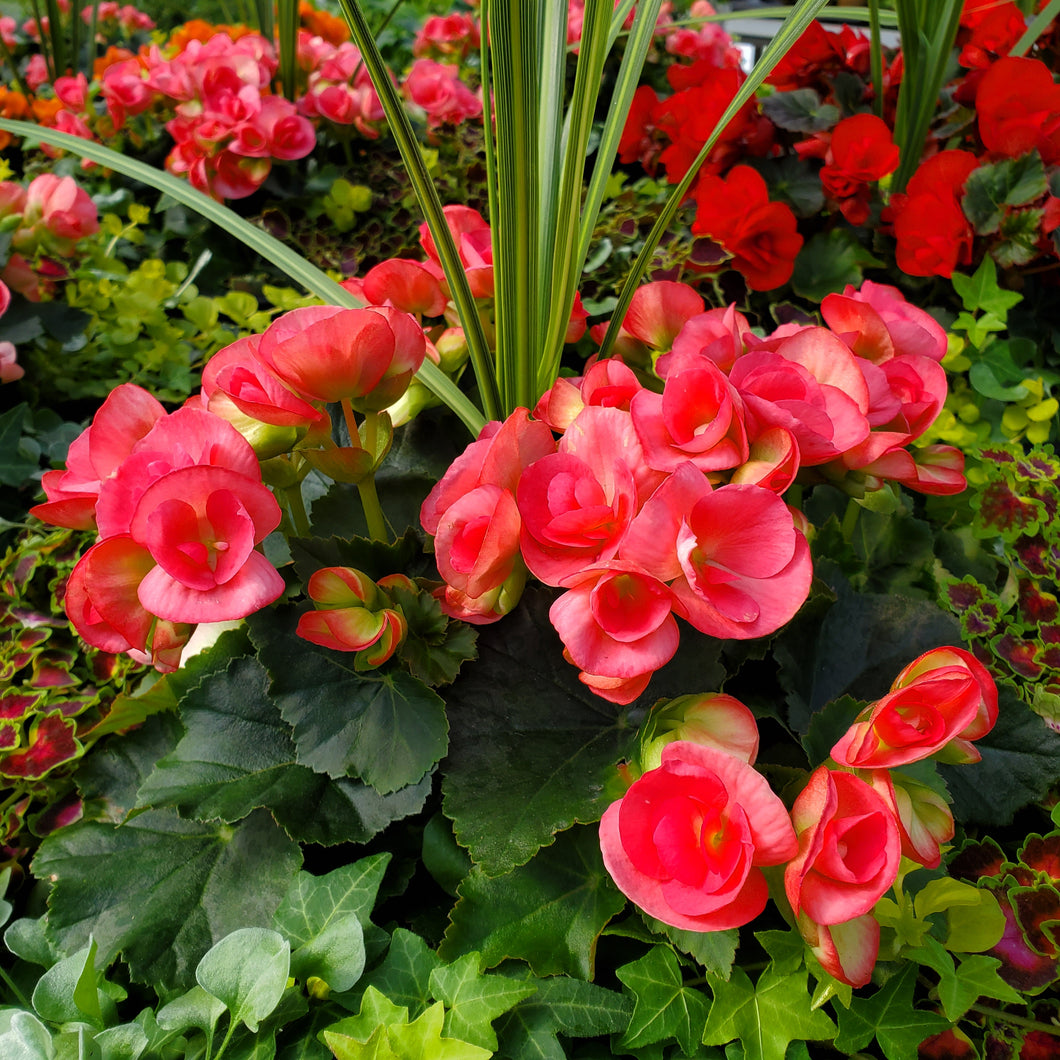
{"points": [[531, 748], [548, 913], [384, 727], [162, 890], [828, 262]]}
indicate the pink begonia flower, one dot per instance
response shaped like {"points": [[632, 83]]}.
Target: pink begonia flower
{"points": [[406, 285], [772, 463], [924, 818], [877, 323], [72, 91], [931, 469], [63, 208], [811, 385], [688, 841], [498, 457], [739, 568], [846, 951], [127, 92], [698, 417], [474, 243], [936, 706], [179, 522], [451, 36], [577, 504], [327, 353], [659, 310], [477, 541], [716, 334], [127, 416], [848, 856], [940, 661], [10, 369], [437, 90], [617, 628], [608, 383]]}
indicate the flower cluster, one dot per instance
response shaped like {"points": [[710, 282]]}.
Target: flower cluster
{"points": [[689, 840], [178, 499], [44, 222], [655, 504], [215, 86]]}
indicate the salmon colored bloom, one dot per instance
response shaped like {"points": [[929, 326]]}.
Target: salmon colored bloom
{"points": [[688, 841]]}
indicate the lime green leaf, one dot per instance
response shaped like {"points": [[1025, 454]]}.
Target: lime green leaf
{"points": [[67, 992], [405, 973], [663, 1006], [26, 1039], [980, 292], [195, 1008], [765, 1016], [127, 1041], [163, 890], [548, 913], [960, 988], [423, 1039], [475, 1000], [890, 1018], [386, 728]]}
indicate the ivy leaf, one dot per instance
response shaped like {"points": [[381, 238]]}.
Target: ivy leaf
{"points": [[561, 1006], [474, 1000], [713, 950], [960, 988], [324, 920], [237, 755], [548, 913], [828, 726], [423, 1037], [386, 728], [764, 1017], [528, 763], [1020, 231], [1021, 760], [663, 1006], [404, 975], [163, 890], [890, 1018], [980, 292]]}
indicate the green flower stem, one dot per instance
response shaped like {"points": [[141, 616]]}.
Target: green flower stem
{"points": [[1019, 1021], [292, 496], [373, 511], [850, 519], [11, 985]]}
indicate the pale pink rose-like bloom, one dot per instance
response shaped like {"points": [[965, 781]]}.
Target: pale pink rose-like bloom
{"points": [[736, 565], [406, 285], [127, 416], [811, 385], [658, 311], [126, 91], [474, 244], [7, 31], [617, 628], [36, 72], [451, 36], [62, 207], [849, 852], [924, 819], [577, 504], [699, 417], [716, 334], [688, 841], [437, 90], [608, 383]]}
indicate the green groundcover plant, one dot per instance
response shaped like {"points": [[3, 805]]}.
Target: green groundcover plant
{"points": [[616, 618]]}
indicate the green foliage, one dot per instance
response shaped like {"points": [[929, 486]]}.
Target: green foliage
{"points": [[828, 262]]}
